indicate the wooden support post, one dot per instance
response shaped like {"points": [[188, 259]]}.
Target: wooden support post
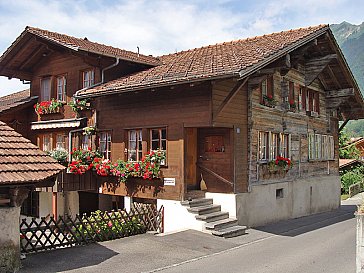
{"points": [[54, 205], [343, 125]]}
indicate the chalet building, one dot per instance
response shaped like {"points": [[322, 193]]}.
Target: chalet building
{"points": [[255, 119]]}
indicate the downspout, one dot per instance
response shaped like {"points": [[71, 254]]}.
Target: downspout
{"points": [[107, 68], [102, 76]]}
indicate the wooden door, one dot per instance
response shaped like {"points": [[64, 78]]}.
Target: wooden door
{"points": [[215, 158], [191, 159]]}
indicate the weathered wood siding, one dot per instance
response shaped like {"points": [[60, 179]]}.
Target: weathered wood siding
{"points": [[297, 124], [234, 115], [173, 109]]}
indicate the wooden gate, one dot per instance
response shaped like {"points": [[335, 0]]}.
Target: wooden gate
{"points": [[44, 234]]}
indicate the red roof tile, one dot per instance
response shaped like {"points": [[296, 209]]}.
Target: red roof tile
{"points": [[21, 162], [85, 45], [15, 99], [220, 60]]}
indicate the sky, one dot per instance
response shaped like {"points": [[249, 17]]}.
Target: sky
{"points": [[160, 27]]}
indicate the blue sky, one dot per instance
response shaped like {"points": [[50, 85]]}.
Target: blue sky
{"points": [[161, 27]]}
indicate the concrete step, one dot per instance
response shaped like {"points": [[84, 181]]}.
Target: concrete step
{"points": [[230, 232], [204, 209], [195, 194], [220, 224], [213, 216], [197, 202]]}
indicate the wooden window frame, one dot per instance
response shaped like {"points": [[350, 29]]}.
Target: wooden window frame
{"points": [[291, 94], [61, 88], [30, 206], [266, 88], [44, 148], [272, 144], [43, 96], [86, 83], [160, 142], [138, 144], [58, 136], [108, 141]]}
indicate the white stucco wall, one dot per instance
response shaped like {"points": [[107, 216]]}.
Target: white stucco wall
{"points": [[301, 197], [9, 239], [176, 217], [225, 200]]}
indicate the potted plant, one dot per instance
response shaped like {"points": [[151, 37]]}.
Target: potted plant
{"points": [[48, 107], [268, 100], [79, 105], [292, 106]]}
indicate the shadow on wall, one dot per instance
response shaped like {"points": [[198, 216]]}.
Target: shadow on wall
{"points": [[76, 257], [298, 226]]}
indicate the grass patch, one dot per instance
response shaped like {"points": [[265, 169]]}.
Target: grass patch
{"points": [[344, 196]]}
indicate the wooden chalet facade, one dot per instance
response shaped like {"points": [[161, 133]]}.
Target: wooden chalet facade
{"points": [[257, 119]]}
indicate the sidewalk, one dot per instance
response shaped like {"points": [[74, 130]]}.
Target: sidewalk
{"points": [[147, 252]]}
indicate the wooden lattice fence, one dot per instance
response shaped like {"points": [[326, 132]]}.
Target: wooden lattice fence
{"points": [[44, 234]]}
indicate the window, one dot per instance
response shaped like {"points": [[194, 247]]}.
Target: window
{"points": [[88, 78], [263, 145], [284, 146], [291, 98], [312, 101], [45, 89], [47, 142], [158, 141], [135, 148], [307, 99], [61, 141], [105, 144], [61, 88], [272, 145], [320, 147], [316, 101], [85, 142], [30, 206], [266, 89]]}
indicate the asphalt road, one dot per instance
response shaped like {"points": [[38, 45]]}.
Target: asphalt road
{"points": [[327, 249], [319, 243]]}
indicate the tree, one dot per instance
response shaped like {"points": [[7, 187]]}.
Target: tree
{"points": [[346, 148]]}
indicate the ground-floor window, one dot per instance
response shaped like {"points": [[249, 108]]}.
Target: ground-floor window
{"points": [[271, 145], [320, 147], [30, 205]]}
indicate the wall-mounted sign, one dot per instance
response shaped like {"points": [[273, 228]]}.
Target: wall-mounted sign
{"points": [[169, 181]]}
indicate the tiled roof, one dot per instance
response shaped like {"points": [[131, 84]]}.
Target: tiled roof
{"points": [[220, 60], [15, 99], [347, 162], [86, 45], [21, 162]]}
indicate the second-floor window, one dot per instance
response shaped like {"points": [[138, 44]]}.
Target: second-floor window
{"points": [[45, 89], [88, 78], [105, 144], [61, 88], [135, 145], [266, 91]]}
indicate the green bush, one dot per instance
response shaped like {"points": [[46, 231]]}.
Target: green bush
{"points": [[103, 226], [350, 177]]}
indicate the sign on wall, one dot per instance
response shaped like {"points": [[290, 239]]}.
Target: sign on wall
{"points": [[169, 181]]}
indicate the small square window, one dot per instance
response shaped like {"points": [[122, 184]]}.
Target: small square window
{"points": [[279, 193]]}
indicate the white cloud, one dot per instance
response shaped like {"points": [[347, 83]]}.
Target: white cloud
{"points": [[162, 26]]}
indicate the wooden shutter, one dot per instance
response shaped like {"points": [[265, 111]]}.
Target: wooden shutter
{"points": [[304, 98]]}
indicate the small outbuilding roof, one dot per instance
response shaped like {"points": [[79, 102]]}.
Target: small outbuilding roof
{"points": [[21, 162], [16, 99]]}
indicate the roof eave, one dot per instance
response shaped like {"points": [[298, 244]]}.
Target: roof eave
{"points": [[112, 91]]}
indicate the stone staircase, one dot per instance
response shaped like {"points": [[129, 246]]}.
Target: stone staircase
{"points": [[216, 221]]}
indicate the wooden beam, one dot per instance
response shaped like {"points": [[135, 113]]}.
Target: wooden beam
{"points": [[346, 92], [314, 67], [31, 56], [343, 125], [20, 74], [230, 96], [323, 82], [332, 75]]}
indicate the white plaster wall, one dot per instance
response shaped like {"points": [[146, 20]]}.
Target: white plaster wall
{"points": [[9, 239], [176, 217], [227, 202], [261, 206]]}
